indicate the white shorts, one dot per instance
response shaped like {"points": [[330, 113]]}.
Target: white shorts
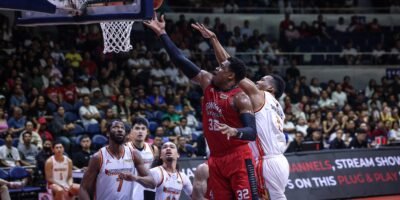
{"points": [[272, 176]]}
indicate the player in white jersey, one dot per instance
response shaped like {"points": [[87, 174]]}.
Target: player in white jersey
{"points": [[110, 174], [58, 170], [272, 166], [170, 182], [139, 131]]}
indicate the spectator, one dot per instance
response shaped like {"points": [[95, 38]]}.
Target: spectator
{"points": [[374, 26], [82, 157], [296, 144], [394, 133], [16, 123], [88, 113], [69, 94], [187, 113], [43, 155], [39, 108], [9, 155], [338, 142], [339, 97], [316, 136], [341, 26], [36, 140], [3, 122], [395, 52], [183, 130], [42, 130], [28, 150], [355, 25], [18, 99], [350, 54], [121, 109], [302, 126], [172, 115], [185, 150], [62, 128], [288, 125], [246, 30], [378, 54], [284, 25], [109, 117], [360, 141], [73, 58], [158, 141], [58, 170], [304, 30], [325, 102], [379, 131], [231, 7], [156, 99], [315, 88]]}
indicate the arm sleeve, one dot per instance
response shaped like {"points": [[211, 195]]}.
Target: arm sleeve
{"points": [[187, 67], [249, 130]]}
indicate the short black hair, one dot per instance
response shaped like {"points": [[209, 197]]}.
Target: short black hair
{"points": [[238, 67], [26, 132], [57, 142], [280, 85], [84, 136], [110, 123], [140, 120]]}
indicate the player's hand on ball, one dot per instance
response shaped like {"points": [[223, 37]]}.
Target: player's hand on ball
{"points": [[206, 33], [156, 24], [127, 176], [227, 130]]}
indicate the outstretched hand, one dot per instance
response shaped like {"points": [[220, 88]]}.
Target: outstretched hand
{"points": [[227, 130], [156, 24], [205, 32], [127, 176]]}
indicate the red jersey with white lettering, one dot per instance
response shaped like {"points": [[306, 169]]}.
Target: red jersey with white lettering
{"points": [[218, 107]]}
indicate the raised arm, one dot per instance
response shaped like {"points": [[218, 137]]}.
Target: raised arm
{"points": [[188, 68], [256, 95], [219, 51], [88, 183]]}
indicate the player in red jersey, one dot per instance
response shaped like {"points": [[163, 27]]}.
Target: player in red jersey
{"points": [[228, 121]]}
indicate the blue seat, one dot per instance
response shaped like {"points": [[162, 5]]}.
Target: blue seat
{"points": [[4, 174], [153, 126], [15, 142], [93, 129], [2, 142], [67, 106], [99, 141], [78, 130], [19, 173], [71, 117]]}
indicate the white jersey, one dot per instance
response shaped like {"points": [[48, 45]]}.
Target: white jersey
{"points": [[60, 171], [147, 155], [269, 121], [108, 185], [170, 185]]}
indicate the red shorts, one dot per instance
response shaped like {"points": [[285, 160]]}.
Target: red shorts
{"points": [[232, 176]]}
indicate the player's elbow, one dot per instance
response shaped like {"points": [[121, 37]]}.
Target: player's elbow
{"points": [[253, 135]]}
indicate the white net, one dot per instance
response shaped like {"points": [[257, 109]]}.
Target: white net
{"points": [[116, 35]]}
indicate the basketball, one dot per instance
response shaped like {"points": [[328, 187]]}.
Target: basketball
{"points": [[157, 4]]}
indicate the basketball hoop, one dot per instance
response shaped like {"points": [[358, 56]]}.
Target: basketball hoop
{"points": [[116, 36]]}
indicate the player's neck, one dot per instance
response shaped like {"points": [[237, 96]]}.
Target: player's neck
{"points": [[138, 144], [170, 166], [116, 150], [226, 87], [59, 157]]}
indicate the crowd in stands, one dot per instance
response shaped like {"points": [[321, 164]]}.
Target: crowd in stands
{"points": [[65, 89], [285, 6]]}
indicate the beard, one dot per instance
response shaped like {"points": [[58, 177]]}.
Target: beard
{"points": [[169, 159], [116, 139]]}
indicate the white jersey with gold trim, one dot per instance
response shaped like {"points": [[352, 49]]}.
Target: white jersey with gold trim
{"points": [[108, 185], [170, 185]]}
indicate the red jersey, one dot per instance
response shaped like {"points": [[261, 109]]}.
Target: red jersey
{"points": [[217, 107]]}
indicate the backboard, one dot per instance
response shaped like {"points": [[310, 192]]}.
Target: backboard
{"points": [[94, 12], [28, 5]]}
